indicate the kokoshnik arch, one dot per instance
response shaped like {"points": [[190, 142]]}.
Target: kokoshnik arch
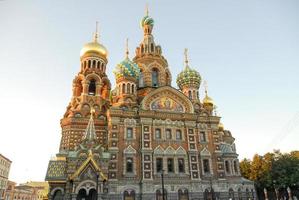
{"points": [[116, 142]]}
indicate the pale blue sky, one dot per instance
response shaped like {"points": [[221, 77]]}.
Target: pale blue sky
{"points": [[247, 50]]}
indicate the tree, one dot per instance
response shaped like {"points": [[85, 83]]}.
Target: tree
{"points": [[245, 168]]}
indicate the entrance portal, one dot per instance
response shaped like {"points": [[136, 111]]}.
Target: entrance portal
{"points": [[82, 195]]}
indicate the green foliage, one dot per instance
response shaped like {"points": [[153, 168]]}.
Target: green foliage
{"points": [[272, 169]]}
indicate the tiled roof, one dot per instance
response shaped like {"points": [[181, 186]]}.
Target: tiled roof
{"points": [[56, 170]]}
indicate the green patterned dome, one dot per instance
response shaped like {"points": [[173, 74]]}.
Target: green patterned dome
{"points": [[188, 77], [146, 20], [127, 68]]}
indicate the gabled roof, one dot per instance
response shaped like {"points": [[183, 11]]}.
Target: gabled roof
{"points": [[91, 161]]}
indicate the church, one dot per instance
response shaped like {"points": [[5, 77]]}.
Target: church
{"points": [[144, 139]]}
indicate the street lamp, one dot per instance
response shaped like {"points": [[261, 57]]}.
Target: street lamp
{"points": [[162, 179]]}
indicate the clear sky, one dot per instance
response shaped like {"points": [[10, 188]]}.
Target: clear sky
{"points": [[248, 51]]}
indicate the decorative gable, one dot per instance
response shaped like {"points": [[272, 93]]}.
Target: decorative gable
{"points": [[129, 150], [205, 152], [159, 150]]}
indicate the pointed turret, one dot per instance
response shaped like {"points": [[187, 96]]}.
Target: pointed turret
{"points": [[189, 80], [153, 66], [90, 132]]}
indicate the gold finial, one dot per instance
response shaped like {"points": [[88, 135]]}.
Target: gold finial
{"points": [[205, 84], [186, 56], [146, 9], [96, 34], [92, 111], [127, 48]]}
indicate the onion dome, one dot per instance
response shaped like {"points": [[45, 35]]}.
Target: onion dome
{"points": [[127, 68], [208, 101], [94, 47], [188, 76], [146, 20], [220, 126]]}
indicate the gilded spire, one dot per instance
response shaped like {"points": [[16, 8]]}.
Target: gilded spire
{"points": [[90, 132], [205, 84], [127, 48], [186, 57], [96, 34], [146, 9]]}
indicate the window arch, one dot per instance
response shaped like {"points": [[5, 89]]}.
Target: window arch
{"points": [[128, 88], [231, 193], [129, 195], [155, 77], [129, 165], [93, 64], [92, 87], [133, 88], [236, 167], [227, 167], [183, 194], [58, 195], [89, 63], [124, 89], [152, 47], [98, 64]]}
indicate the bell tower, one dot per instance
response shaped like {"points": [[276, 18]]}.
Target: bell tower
{"points": [[154, 71], [91, 88]]}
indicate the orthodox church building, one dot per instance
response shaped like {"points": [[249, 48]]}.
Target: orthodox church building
{"points": [[129, 142]]}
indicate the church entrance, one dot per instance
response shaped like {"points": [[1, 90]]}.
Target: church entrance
{"points": [[82, 195]]}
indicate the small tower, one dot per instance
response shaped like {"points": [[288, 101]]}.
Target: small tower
{"points": [[189, 81], [127, 75], [93, 55], [153, 66], [207, 101]]}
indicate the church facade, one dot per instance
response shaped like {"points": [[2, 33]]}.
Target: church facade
{"points": [[121, 143]]}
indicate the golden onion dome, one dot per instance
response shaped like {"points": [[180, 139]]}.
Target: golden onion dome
{"points": [[94, 47], [220, 126], [208, 101]]}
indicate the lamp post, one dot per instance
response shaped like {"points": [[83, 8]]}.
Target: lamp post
{"points": [[162, 179], [97, 185]]}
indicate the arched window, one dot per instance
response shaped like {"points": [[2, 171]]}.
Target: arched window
{"points": [[58, 195], [128, 88], [133, 88], [129, 165], [183, 194], [155, 78], [236, 167], [129, 195], [179, 135], [124, 89], [231, 194], [92, 87], [119, 90], [141, 81], [93, 64], [89, 63], [247, 194], [227, 168], [98, 64], [181, 165], [194, 95], [152, 47], [84, 64], [197, 95], [190, 94]]}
